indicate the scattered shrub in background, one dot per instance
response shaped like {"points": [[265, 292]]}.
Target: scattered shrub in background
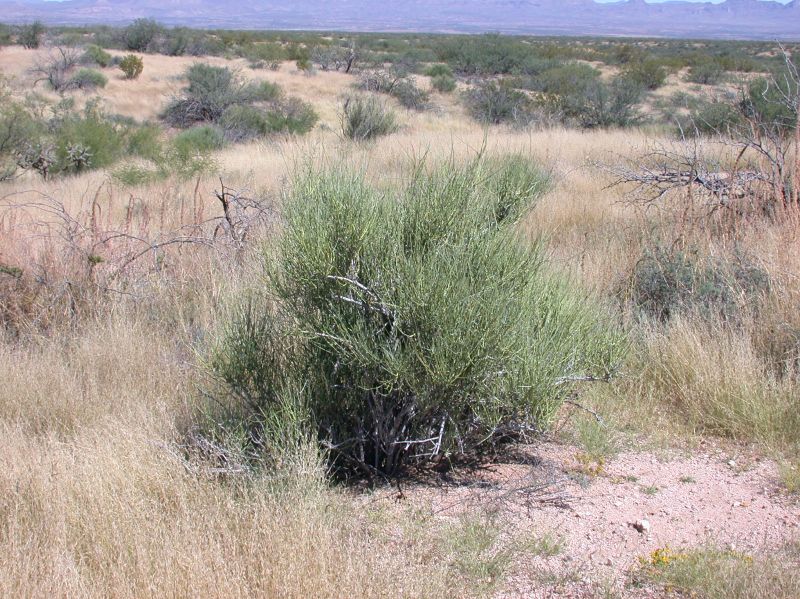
{"points": [[131, 66], [495, 103], [707, 72], [439, 70], [365, 117], [443, 83], [712, 118], [202, 139], [88, 79], [665, 283], [396, 83], [30, 36], [417, 323], [141, 34], [650, 73], [95, 55]]}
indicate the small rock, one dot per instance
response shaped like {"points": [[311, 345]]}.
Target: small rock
{"points": [[609, 562], [732, 463]]}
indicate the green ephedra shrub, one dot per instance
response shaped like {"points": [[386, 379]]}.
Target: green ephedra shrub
{"points": [[131, 66], [413, 324]]}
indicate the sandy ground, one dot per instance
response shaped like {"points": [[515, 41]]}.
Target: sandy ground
{"points": [[707, 498]]}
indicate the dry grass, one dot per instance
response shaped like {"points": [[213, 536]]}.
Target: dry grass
{"points": [[91, 504]]}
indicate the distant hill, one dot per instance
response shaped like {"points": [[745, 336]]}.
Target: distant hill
{"points": [[745, 19]]}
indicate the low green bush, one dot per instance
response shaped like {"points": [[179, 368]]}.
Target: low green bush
{"points": [[365, 118], [667, 282], [88, 79], [495, 103], [415, 323], [708, 72], [712, 118], [443, 83], [199, 140], [650, 73], [131, 66], [96, 55], [439, 70]]}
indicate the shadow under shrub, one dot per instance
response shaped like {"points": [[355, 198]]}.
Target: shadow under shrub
{"points": [[418, 324]]}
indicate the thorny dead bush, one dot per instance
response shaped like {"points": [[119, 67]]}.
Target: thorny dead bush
{"points": [[417, 324], [58, 264]]}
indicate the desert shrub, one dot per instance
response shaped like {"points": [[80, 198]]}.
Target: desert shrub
{"points": [[650, 73], [409, 95], [88, 79], [242, 123], [712, 118], [610, 104], [396, 83], [770, 103], [30, 36], [145, 141], [56, 66], [242, 110], [131, 66], [366, 117], [495, 103], [439, 70], [566, 80], [96, 55], [5, 35], [489, 54], [417, 323], [292, 116], [199, 140], [88, 140], [708, 72], [210, 92], [18, 128], [665, 283], [443, 83], [139, 35], [267, 54]]}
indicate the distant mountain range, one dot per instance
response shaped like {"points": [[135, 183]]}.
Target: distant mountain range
{"points": [[743, 19]]}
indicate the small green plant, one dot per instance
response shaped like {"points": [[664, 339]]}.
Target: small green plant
{"points": [[721, 574], [649, 489], [365, 118], [543, 545], [131, 66], [472, 546], [790, 476], [595, 438]]}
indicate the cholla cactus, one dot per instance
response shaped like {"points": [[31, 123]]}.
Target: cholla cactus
{"points": [[39, 157], [79, 156]]}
